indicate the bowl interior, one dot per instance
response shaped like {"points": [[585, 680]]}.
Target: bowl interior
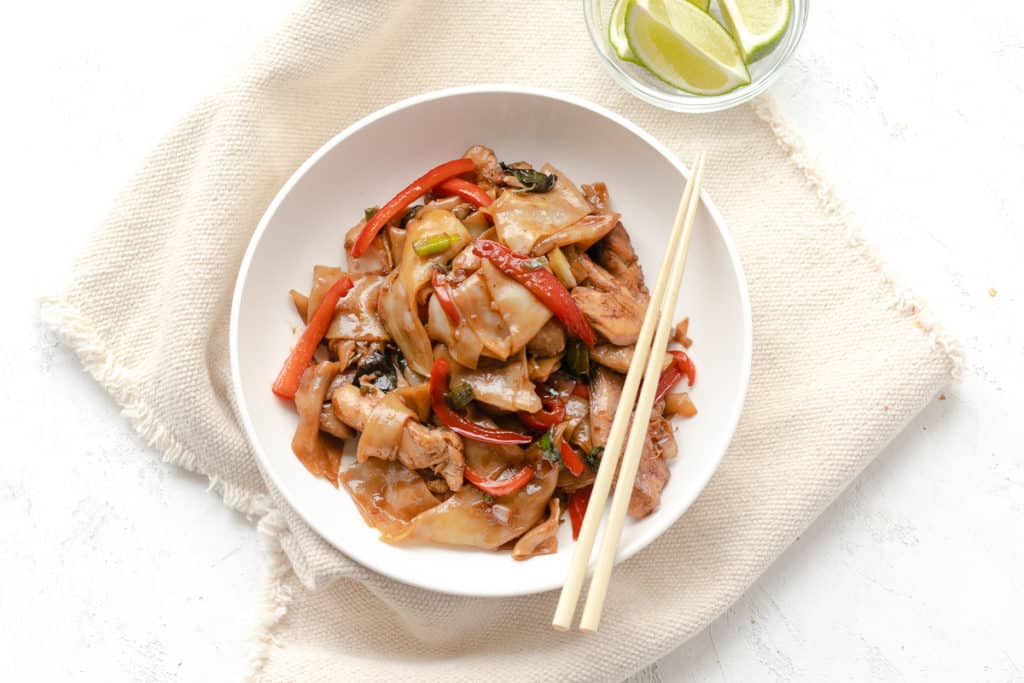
{"points": [[365, 166], [649, 88]]}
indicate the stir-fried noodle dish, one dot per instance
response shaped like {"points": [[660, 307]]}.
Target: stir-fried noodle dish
{"points": [[475, 343]]}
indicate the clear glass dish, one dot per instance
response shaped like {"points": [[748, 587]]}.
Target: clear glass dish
{"points": [[647, 87]]}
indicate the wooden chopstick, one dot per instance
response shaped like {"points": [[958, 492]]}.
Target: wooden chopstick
{"points": [[634, 447], [624, 411]]}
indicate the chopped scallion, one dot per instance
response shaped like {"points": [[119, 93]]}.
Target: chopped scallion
{"points": [[434, 244]]}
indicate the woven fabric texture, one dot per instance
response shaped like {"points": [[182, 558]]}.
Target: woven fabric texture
{"points": [[842, 357]]}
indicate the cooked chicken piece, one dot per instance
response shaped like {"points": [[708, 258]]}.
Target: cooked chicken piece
{"points": [[541, 539], [618, 242], [353, 407], [572, 255], [549, 341], [419, 446], [651, 476], [663, 438], [613, 314], [438, 449], [618, 358], [487, 167], [596, 276], [613, 310], [631, 275], [616, 255], [605, 391]]}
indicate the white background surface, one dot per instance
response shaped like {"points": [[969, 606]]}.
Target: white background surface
{"points": [[118, 567]]}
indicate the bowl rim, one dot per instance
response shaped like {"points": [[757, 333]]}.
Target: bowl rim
{"points": [[660, 523]]}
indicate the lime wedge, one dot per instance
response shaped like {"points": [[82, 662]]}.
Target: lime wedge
{"points": [[685, 47], [617, 31], [757, 25], [617, 24]]}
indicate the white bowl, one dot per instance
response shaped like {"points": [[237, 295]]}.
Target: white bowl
{"points": [[371, 160]]}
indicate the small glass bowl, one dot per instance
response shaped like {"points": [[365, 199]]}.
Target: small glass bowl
{"points": [[648, 88]]}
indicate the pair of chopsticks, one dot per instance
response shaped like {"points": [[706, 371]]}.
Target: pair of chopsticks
{"points": [[646, 364]]}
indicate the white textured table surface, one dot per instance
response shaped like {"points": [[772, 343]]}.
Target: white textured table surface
{"points": [[118, 567]]}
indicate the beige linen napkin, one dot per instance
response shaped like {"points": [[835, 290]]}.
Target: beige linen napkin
{"points": [[842, 360]]}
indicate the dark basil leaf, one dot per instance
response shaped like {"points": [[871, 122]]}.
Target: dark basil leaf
{"points": [[460, 395], [531, 180], [409, 214], [387, 382], [372, 364], [546, 443]]}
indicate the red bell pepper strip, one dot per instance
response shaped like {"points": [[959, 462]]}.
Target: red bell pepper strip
{"points": [[542, 284], [458, 423], [500, 487], [582, 390], [403, 199], [287, 382], [578, 509], [571, 459], [471, 192], [681, 367], [668, 379], [444, 297], [552, 414], [686, 365]]}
